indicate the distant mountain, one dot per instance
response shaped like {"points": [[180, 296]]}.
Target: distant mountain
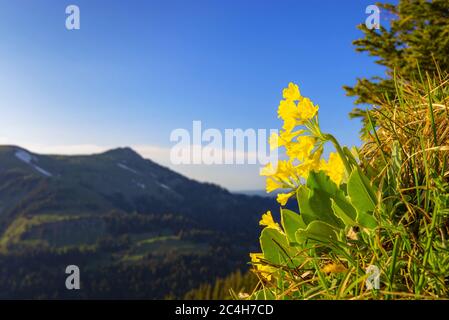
{"points": [[260, 193], [53, 204]]}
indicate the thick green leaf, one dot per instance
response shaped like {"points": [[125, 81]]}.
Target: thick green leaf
{"points": [[362, 194], [320, 181], [291, 222], [314, 200], [366, 220], [317, 231], [276, 249], [321, 203], [306, 212], [350, 155], [345, 211]]}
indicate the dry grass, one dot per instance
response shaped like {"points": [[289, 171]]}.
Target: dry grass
{"points": [[415, 127]]}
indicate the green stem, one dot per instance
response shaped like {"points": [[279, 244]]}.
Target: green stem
{"points": [[432, 117], [428, 248], [342, 155], [379, 144], [393, 263]]}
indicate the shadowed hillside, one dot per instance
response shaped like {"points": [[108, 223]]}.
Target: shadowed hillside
{"points": [[111, 213]]}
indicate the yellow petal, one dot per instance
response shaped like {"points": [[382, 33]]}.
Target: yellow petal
{"points": [[334, 268], [291, 92], [265, 271], [289, 124], [287, 136], [287, 109], [255, 257], [282, 198], [301, 149], [311, 163], [268, 170], [284, 170], [272, 185], [267, 220], [306, 109], [334, 168], [274, 141]]}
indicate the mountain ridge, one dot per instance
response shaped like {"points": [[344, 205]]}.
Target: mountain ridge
{"points": [[127, 220], [120, 181]]}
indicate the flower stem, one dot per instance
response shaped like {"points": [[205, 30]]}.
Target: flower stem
{"points": [[342, 155]]}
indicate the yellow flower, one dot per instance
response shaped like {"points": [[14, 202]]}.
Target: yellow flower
{"points": [[272, 185], [282, 139], [285, 170], [265, 271], [274, 141], [255, 257], [289, 124], [334, 168], [281, 175], [292, 92], [306, 109], [293, 150], [287, 110], [311, 163], [268, 170], [301, 149], [294, 114], [282, 198], [267, 220], [334, 268]]}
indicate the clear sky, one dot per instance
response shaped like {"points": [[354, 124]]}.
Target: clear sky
{"points": [[136, 70]]}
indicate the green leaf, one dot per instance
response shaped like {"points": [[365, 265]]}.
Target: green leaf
{"points": [[276, 249], [314, 200], [307, 213], [345, 211], [366, 220], [291, 222], [362, 194], [349, 154], [318, 231], [320, 181]]}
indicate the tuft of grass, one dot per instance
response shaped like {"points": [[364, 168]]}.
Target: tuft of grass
{"points": [[417, 123]]}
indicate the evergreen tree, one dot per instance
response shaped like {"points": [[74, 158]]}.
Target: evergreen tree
{"points": [[415, 44]]}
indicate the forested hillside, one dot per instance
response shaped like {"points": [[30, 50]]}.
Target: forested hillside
{"points": [[134, 228]]}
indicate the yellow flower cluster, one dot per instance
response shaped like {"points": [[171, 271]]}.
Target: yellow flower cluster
{"points": [[264, 270], [303, 146], [295, 109]]}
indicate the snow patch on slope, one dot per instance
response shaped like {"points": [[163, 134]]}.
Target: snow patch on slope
{"points": [[124, 167], [28, 159], [165, 186], [24, 156], [141, 185]]}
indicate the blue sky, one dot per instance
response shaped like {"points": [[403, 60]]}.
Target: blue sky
{"points": [[136, 70]]}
